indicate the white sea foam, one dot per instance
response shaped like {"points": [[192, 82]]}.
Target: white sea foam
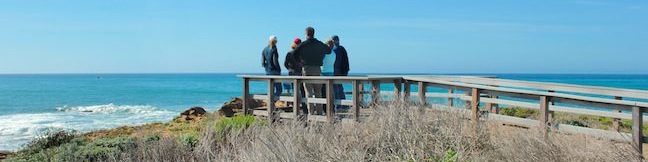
{"points": [[109, 108], [18, 129]]}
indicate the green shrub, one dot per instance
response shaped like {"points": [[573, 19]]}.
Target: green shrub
{"points": [[450, 156], [51, 139], [519, 112], [93, 150], [234, 123], [189, 139], [152, 137]]}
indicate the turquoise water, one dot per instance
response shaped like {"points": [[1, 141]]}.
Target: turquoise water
{"points": [[31, 104]]}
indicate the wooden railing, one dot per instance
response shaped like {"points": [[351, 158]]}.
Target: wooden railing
{"points": [[478, 93]]}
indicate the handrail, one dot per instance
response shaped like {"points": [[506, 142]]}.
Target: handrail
{"points": [[595, 90], [318, 77], [534, 93]]}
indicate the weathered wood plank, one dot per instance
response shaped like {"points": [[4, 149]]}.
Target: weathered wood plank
{"points": [[450, 99], [422, 88], [468, 102], [356, 100], [561, 96], [616, 124], [350, 78], [553, 86], [305, 100], [544, 113], [297, 98], [271, 104], [361, 88], [330, 98], [375, 92], [397, 90], [637, 128], [493, 107], [407, 89], [475, 104], [246, 96]]}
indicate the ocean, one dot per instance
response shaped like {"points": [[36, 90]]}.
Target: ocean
{"points": [[31, 104]]}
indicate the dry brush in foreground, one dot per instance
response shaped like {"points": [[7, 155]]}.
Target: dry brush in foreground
{"points": [[393, 133]]}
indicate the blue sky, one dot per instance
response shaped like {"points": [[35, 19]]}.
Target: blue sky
{"points": [[566, 36]]}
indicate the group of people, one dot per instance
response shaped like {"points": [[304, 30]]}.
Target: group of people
{"points": [[310, 57]]}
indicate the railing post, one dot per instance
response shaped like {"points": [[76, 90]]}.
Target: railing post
{"points": [[450, 99], [271, 104], [297, 99], [493, 107], [422, 89], [356, 100], [474, 113], [617, 122], [397, 89], [362, 93], [467, 103], [545, 113], [246, 96], [407, 89], [330, 100], [375, 92], [637, 129]]}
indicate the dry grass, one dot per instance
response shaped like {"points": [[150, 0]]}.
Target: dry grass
{"points": [[394, 133]]}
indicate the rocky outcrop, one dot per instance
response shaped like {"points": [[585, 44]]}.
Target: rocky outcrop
{"points": [[235, 106], [192, 114]]}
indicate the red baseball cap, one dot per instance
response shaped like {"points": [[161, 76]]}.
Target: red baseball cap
{"points": [[297, 41]]}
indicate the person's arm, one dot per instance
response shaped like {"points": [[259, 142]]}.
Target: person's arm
{"points": [[288, 61], [263, 59], [345, 61], [275, 59], [326, 48]]}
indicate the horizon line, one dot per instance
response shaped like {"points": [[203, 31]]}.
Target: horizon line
{"points": [[261, 73]]}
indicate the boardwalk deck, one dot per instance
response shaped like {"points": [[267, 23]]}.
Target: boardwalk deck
{"points": [[478, 94]]}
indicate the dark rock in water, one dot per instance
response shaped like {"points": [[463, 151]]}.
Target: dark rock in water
{"points": [[192, 114], [86, 111], [5, 154], [236, 106]]}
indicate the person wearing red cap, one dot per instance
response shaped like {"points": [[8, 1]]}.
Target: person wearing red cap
{"points": [[294, 67]]}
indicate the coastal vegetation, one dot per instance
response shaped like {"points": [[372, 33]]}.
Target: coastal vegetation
{"points": [[394, 132]]}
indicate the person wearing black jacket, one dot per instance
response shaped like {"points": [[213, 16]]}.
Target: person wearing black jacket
{"points": [[270, 61], [341, 67], [294, 68], [311, 53], [342, 59], [293, 65]]}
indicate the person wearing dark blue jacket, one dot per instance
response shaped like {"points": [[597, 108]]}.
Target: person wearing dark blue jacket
{"points": [[341, 67], [270, 61], [342, 59]]}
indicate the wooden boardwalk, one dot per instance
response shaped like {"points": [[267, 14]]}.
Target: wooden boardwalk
{"points": [[481, 99]]}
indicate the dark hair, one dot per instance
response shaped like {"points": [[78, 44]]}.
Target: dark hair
{"points": [[336, 40], [310, 31]]}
